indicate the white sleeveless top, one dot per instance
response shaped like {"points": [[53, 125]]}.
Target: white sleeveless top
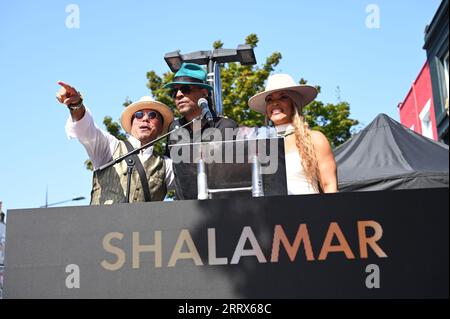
{"points": [[297, 183]]}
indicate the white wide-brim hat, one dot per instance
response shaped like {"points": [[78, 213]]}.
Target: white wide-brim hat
{"points": [[146, 102], [282, 82]]}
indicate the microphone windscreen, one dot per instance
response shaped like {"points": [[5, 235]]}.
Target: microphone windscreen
{"points": [[202, 101]]}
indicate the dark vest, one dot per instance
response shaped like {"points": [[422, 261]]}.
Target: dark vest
{"points": [[109, 186]]}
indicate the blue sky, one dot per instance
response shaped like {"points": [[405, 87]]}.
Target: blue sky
{"points": [[107, 57]]}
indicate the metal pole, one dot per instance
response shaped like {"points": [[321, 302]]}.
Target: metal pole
{"points": [[217, 90], [202, 181], [62, 202], [257, 182], [210, 79], [130, 165]]}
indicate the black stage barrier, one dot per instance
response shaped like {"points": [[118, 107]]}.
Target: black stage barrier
{"points": [[388, 244]]}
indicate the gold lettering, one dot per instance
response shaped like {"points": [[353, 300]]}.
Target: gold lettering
{"points": [[247, 233], [280, 237], [138, 249], [113, 250], [343, 244], [365, 241], [185, 237]]}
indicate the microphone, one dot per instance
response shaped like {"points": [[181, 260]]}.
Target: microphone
{"points": [[206, 113]]}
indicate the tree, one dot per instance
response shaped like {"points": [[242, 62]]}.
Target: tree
{"points": [[239, 83], [330, 119]]}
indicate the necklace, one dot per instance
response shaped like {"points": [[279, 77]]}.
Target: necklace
{"points": [[284, 130]]}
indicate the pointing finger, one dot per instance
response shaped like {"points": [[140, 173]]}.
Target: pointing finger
{"points": [[66, 86]]}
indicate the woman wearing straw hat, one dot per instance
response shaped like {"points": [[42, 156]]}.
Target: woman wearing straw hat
{"points": [[144, 121], [310, 164]]}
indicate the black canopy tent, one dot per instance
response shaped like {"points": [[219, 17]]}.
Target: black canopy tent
{"points": [[387, 155]]}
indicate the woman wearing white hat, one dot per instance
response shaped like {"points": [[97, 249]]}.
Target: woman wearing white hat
{"points": [[310, 164]]}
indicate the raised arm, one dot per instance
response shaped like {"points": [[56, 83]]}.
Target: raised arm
{"points": [[99, 144]]}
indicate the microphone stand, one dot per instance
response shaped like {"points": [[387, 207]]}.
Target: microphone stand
{"points": [[130, 160]]}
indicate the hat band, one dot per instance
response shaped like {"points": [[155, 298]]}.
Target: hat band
{"points": [[187, 79]]}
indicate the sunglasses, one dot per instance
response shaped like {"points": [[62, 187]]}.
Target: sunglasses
{"points": [[150, 114], [185, 89]]}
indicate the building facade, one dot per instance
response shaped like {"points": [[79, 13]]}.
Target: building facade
{"points": [[425, 107], [436, 45], [417, 109]]}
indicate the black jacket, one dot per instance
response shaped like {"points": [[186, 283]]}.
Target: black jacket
{"points": [[219, 122], [185, 173]]}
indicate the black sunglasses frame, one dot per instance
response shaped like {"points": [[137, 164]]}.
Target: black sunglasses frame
{"points": [[185, 89], [150, 114]]}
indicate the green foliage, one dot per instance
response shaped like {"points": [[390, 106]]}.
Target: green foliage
{"points": [[127, 102], [88, 164], [114, 128], [155, 84], [218, 44], [330, 119], [240, 83]]}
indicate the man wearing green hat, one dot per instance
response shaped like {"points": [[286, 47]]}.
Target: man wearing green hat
{"points": [[188, 87]]}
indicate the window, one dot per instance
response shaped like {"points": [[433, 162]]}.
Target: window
{"points": [[446, 75], [425, 120]]}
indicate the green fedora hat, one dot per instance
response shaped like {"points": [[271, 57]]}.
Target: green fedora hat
{"points": [[190, 74]]}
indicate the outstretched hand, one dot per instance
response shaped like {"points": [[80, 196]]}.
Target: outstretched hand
{"points": [[67, 94]]}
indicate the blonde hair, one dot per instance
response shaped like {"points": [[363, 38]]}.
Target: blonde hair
{"points": [[306, 149], [303, 141]]}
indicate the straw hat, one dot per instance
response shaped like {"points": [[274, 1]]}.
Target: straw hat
{"points": [[146, 102], [282, 82]]}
